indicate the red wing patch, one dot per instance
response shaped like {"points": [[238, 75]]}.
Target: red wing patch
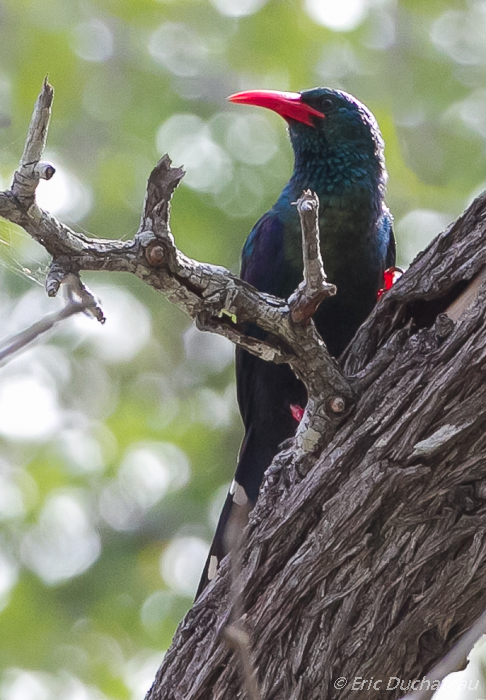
{"points": [[390, 276]]}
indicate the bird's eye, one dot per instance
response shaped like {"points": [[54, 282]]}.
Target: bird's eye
{"points": [[326, 105]]}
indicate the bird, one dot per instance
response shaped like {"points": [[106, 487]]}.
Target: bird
{"points": [[339, 154]]}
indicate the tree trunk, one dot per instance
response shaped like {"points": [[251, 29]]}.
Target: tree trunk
{"points": [[371, 564]]}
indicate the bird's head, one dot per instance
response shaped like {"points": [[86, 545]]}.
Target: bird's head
{"points": [[321, 119]]}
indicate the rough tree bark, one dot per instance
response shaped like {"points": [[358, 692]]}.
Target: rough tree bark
{"points": [[373, 565], [365, 555]]}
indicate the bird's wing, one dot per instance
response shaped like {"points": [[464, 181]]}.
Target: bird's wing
{"points": [[263, 266], [262, 257]]}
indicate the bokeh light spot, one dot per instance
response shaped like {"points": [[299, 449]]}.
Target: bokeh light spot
{"points": [[11, 499], [19, 685], [460, 34], [238, 8], [175, 46], [207, 350], [93, 40], [251, 139], [80, 450], [65, 194], [472, 111], [342, 16], [155, 610], [140, 670], [243, 196], [188, 139], [148, 471], [63, 544], [8, 578], [182, 562], [416, 230], [214, 409], [127, 328], [28, 408]]}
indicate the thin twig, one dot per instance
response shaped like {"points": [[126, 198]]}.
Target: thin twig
{"points": [[31, 170], [314, 287], [79, 292], [39, 124], [21, 340]]}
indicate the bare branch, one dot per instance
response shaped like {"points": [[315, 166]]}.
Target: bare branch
{"points": [[314, 287], [217, 300]]}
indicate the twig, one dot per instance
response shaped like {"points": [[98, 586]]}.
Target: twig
{"points": [[76, 290], [453, 661], [314, 288], [31, 169], [21, 340]]}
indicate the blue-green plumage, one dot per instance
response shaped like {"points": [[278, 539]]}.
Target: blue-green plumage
{"points": [[338, 153]]}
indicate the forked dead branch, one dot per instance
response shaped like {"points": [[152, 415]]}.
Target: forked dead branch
{"points": [[372, 565], [216, 300]]}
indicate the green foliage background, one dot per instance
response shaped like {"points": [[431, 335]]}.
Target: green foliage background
{"points": [[117, 442]]}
